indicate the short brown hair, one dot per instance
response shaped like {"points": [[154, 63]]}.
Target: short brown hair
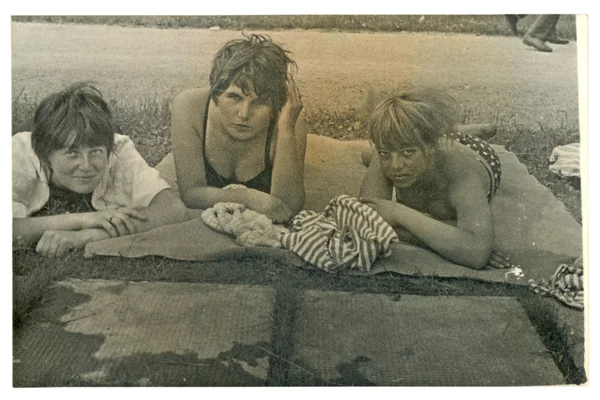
{"points": [[417, 117], [75, 116]]}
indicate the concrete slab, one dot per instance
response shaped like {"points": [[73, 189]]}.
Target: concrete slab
{"points": [[161, 334], [370, 339]]}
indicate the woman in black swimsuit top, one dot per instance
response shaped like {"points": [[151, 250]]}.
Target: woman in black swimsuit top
{"points": [[245, 130], [261, 182]]}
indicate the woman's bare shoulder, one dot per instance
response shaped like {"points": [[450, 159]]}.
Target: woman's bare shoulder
{"points": [[460, 163], [191, 98]]}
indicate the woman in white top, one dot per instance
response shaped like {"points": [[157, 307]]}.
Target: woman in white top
{"points": [[73, 158]]}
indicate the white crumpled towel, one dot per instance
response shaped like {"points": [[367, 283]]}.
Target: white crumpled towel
{"points": [[564, 160], [249, 227]]}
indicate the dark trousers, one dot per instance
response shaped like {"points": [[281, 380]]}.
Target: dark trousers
{"points": [[544, 27]]}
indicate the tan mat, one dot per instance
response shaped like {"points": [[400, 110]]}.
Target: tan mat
{"points": [[530, 225]]}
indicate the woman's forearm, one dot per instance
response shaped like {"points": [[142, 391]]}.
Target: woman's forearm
{"points": [[205, 197], [31, 229], [288, 172], [458, 245], [165, 209]]}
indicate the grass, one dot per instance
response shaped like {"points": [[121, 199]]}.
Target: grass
{"points": [[475, 24], [147, 122]]}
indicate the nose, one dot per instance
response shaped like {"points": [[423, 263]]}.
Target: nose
{"points": [[85, 162], [397, 162], [244, 110]]}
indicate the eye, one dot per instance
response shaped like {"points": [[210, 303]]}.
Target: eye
{"points": [[234, 96], [409, 152], [98, 150], [383, 153]]}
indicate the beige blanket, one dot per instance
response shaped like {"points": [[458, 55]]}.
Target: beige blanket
{"points": [[530, 225]]}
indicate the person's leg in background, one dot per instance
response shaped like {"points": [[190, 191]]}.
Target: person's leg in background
{"points": [[540, 31], [552, 37], [513, 20]]}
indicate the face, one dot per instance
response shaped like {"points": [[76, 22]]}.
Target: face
{"points": [[243, 116], [404, 166], [80, 169]]}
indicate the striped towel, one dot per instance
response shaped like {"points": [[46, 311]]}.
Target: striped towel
{"points": [[566, 284], [348, 234]]}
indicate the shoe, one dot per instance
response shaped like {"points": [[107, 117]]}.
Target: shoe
{"points": [[512, 20], [556, 40], [537, 43]]}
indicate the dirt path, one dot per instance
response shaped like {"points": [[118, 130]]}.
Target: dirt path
{"points": [[491, 76]]}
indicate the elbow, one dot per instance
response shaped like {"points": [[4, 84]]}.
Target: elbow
{"points": [[180, 212], [479, 257], [188, 200], [298, 204]]}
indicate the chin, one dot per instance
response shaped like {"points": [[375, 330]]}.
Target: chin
{"points": [[86, 190]]}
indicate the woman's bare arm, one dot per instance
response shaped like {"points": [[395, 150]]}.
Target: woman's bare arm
{"points": [[375, 184], [468, 243], [57, 234], [288, 166]]}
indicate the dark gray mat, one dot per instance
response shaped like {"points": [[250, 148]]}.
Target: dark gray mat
{"points": [[368, 339]]}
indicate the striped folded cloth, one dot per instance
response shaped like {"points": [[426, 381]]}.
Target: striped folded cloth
{"points": [[566, 284], [347, 235]]}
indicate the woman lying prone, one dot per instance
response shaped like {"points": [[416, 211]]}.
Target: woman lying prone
{"points": [[75, 181]]}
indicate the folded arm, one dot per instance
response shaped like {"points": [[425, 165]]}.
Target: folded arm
{"points": [[288, 165], [57, 234], [467, 242]]}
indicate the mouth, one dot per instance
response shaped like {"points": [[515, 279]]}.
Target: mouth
{"points": [[401, 178], [242, 127], [85, 178]]}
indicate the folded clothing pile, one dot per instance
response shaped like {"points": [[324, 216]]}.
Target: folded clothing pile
{"points": [[247, 226], [566, 284], [347, 235]]}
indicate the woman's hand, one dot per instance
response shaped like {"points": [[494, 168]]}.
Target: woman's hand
{"points": [[291, 110], [117, 222], [498, 260], [271, 206], [57, 243], [387, 209]]}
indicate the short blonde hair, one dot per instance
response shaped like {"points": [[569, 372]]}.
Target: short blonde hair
{"points": [[417, 117]]}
